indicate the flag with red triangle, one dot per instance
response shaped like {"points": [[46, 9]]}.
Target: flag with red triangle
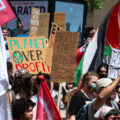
{"points": [[107, 36], [46, 108]]}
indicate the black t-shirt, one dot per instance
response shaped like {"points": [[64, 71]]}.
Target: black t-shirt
{"points": [[77, 101]]}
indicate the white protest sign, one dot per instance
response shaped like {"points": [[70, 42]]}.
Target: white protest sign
{"points": [[115, 58], [114, 67], [113, 72]]}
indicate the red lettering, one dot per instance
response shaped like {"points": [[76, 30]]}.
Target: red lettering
{"points": [[48, 68], [18, 66], [36, 64], [43, 66], [25, 66], [32, 67]]}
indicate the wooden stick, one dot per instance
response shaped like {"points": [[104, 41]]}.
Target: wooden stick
{"points": [[14, 12], [59, 94]]}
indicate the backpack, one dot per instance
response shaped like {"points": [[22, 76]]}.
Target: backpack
{"points": [[82, 114]]}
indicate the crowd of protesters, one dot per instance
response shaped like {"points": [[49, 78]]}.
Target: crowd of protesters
{"points": [[100, 94]]}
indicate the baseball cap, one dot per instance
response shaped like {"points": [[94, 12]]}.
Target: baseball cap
{"points": [[103, 82]]}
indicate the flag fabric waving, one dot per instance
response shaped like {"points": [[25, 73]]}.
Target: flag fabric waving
{"points": [[4, 106], [46, 108], [6, 12], [107, 35]]}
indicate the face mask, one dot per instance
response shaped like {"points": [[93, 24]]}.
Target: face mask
{"points": [[92, 88], [103, 75]]}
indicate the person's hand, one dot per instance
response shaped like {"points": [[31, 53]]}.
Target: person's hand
{"points": [[21, 25]]}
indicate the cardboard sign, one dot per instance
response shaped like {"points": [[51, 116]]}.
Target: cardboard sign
{"points": [[114, 67], [113, 72], [49, 54], [28, 53], [115, 58], [35, 21], [59, 18], [44, 24], [39, 24], [64, 57]]}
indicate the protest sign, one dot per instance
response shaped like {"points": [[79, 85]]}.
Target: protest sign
{"points": [[44, 24], [49, 54], [64, 57], [28, 53], [35, 21], [114, 67], [115, 58], [39, 24], [59, 18], [113, 72]]}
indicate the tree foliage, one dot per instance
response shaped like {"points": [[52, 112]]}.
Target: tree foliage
{"points": [[98, 4]]}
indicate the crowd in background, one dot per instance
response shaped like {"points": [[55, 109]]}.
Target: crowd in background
{"points": [[100, 94]]}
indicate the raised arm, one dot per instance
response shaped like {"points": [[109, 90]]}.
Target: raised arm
{"points": [[104, 93]]}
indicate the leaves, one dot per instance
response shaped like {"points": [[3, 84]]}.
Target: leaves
{"points": [[98, 4]]}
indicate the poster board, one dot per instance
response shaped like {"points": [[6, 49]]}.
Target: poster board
{"points": [[39, 24], [64, 57], [114, 67], [28, 53], [49, 53], [59, 18], [34, 22], [44, 19]]}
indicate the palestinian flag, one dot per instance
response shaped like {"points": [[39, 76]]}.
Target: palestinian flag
{"points": [[107, 36]]}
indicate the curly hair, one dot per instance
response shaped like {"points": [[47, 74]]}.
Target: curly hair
{"points": [[20, 106]]}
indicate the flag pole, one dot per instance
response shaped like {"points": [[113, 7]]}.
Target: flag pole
{"points": [[14, 12], [59, 94]]}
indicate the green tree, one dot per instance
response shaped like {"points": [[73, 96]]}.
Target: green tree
{"points": [[97, 4]]}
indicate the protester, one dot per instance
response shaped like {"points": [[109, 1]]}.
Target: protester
{"points": [[67, 100], [18, 30], [108, 113], [5, 35], [69, 87], [22, 84], [105, 87], [22, 109], [5, 32], [10, 72], [102, 70], [84, 95]]}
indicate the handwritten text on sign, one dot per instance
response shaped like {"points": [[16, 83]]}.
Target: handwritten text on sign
{"points": [[115, 58], [28, 53], [114, 68]]}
